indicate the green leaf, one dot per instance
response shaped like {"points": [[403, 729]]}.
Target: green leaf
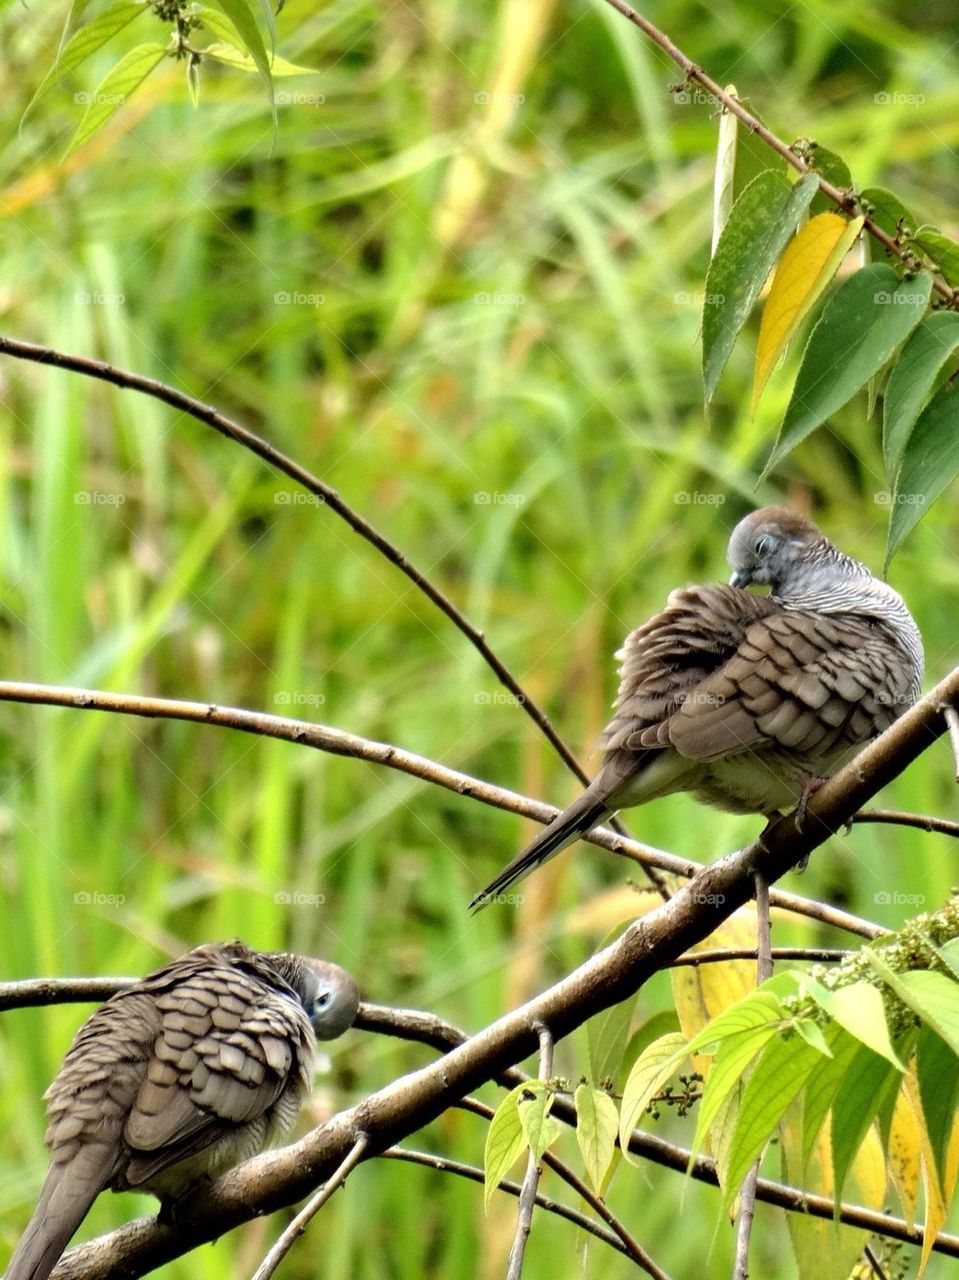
{"points": [[943, 252], [824, 1084], [813, 1034], [654, 1066], [933, 996], [761, 222], [731, 1061], [862, 324], [115, 90], [782, 1070], [505, 1140], [82, 44], [597, 1123], [859, 1009], [937, 1069], [888, 212], [911, 381], [756, 1010], [231, 57], [930, 462], [539, 1128], [831, 166], [606, 1036], [242, 19], [948, 953], [864, 1089]]}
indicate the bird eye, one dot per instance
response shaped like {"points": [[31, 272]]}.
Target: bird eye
{"points": [[763, 544], [324, 1000]]}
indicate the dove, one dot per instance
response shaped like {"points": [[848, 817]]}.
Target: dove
{"points": [[748, 701], [193, 1069]]}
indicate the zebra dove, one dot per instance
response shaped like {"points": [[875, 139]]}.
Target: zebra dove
{"points": [[748, 701], [193, 1069]]}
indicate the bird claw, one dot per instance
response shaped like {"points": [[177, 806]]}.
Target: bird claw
{"points": [[808, 791]]}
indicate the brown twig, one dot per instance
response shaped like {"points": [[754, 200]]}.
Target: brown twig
{"points": [[845, 200], [337, 742], [922, 821], [285, 1243]]}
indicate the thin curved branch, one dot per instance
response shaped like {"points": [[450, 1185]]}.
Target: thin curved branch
{"points": [[337, 742], [281, 1178], [288, 1238], [922, 821], [527, 1195], [281, 462], [443, 1164], [845, 200]]}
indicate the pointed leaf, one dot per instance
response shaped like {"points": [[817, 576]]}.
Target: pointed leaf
{"points": [[943, 252], [84, 42], [606, 1036], [859, 1009], [865, 1087], [731, 1062], [115, 90], [911, 381], [862, 324], [504, 1142], [539, 1128], [725, 176], [888, 212], [811, 260], [597, 1124], [782, 1070], [242, 19], [933, 996], [757, 1010], [904, 1154], [824, 1085], [762, 221], [231, 57], [948, 953], [930, 462], [655, 1065], [937, 1070]]}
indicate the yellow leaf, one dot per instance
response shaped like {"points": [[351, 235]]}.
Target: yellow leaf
{"points": [[703, 991], [825, 1250], [806, 267], [905, 1155]]}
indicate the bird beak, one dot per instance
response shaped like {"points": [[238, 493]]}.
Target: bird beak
{"points": [[740, 579]]}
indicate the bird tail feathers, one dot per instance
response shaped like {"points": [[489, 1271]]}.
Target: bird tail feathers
{"points": [[67, 1195], [581, 816]]}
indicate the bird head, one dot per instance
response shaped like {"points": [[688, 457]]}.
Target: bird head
{"points": [[780, 548], [330, 997]]}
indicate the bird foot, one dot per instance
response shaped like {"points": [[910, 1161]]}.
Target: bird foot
{"points": [[808, 791]]}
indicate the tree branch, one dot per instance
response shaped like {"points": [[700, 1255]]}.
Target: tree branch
{"points": [[281, 1178], [844, 199], [338, 742]]}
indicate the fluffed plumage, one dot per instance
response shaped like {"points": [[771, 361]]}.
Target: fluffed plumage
{"points": [[193, 1069], [744, 700]]}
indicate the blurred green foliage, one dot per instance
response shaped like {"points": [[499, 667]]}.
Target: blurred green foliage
{"points": [[460, 283]]}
